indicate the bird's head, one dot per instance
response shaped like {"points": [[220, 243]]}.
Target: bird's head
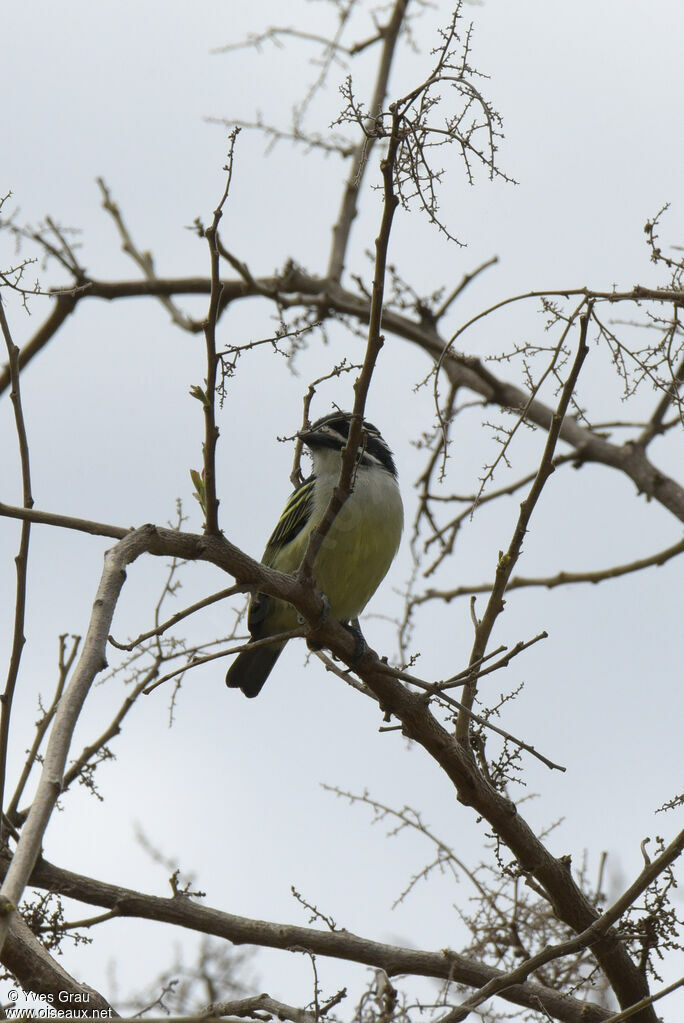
{"points": [[328, 436]]}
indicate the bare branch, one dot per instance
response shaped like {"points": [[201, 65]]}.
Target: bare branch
{"points": [[550, 874], [375, 343], [461, 286], [142, 259], [508, 561], [63, 521], [183, 912], [64, 305], [260, 1007], [435, 689], [349, 205], [90, 663], [273, 35], [310, 140], [65, 665], [656, 425], [21, 560], [209, 393], [195, 662], [474, 501], [230, 591], [644, 1003], [561, 579], [598, 928], [36, 970], [93, 748]]}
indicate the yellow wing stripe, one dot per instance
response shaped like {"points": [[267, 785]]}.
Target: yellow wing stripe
{"points": [[295, 515]]}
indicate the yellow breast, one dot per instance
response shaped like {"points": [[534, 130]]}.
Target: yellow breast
{"points": [[356, 553]]}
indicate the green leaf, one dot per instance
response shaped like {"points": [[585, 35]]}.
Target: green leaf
{"points": [[200, 490]]}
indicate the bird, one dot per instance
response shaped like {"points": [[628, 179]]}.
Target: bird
{"points": [[355, 555]]}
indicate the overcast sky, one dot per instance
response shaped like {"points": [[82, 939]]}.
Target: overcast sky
{"points": [[590, 95]]}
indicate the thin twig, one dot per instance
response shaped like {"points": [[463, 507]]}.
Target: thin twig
{"points": [[141, 259], [432, 689], [561, 579], [178, 617], [645, 1002], [197, 661], [65, 665], [72, 925], [212, 360], [21, 560], [374, 344], [90, 663], [655, 425], [63, 521], [348, 208], [461, 286], [109, 733], [508, 561], [475, 675], [586, 938]]}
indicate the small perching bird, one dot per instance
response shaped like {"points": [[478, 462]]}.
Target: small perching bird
{"points": [[355, 554]]}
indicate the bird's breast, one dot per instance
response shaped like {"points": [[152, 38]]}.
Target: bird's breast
{"points": [[361, 544]]}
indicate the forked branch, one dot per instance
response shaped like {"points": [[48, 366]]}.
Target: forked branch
{"points": [[508, 561]]}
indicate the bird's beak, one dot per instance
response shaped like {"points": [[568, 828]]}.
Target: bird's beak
{"points": [[306, 436]]}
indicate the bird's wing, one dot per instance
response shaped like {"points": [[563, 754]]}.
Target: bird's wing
{"points": [[296, 514]]}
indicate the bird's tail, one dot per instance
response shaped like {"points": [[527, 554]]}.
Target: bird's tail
{"points": [[251, 668]]}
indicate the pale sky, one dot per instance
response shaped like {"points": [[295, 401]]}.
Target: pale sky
{"points": [[590, 95]]}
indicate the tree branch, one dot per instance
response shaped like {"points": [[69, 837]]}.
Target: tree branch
{"points": [[349, 205], [92, 661], [65, 665], [552, 875], [65, 303], [418, 723], [141, 259], [598, 928], [21, 560], [63, 521], [561, 579], [375, 343], [183, 912], [295, 288], [261, 1007], [508, 561], [209, 326], [36, 970]]}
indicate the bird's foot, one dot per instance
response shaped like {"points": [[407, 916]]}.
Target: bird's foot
{"points": [[360, 643], [325, 614]]}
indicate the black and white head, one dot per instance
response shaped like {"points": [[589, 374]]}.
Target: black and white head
{"points": [[327, 437]]}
